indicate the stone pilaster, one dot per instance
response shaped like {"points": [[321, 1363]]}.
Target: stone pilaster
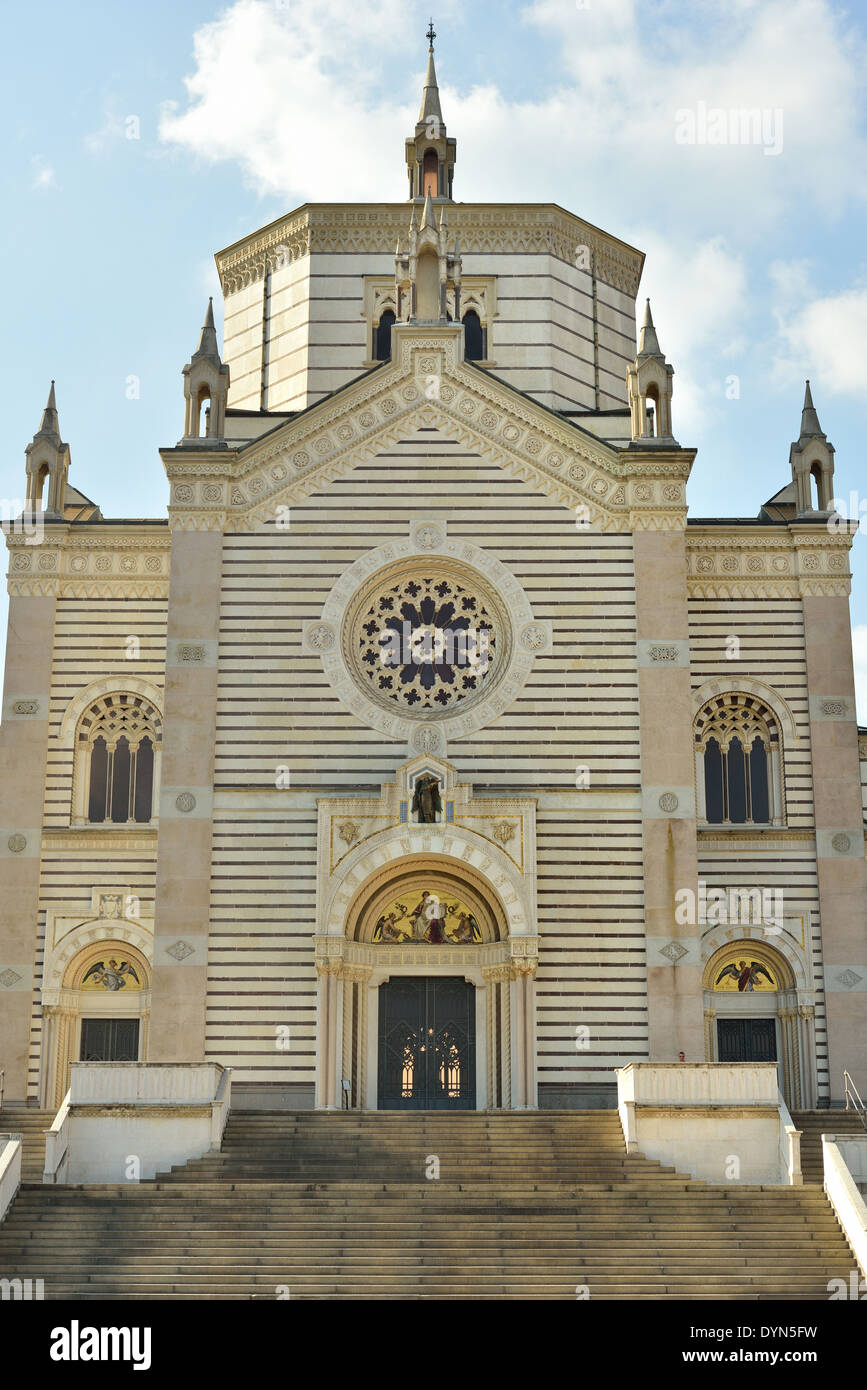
{"points": [[525, 1091], [823, 574], [674, 989], [183, 878], [23, 749]]}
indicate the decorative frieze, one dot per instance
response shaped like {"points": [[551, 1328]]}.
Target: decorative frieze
{"points": [[484, 230]]}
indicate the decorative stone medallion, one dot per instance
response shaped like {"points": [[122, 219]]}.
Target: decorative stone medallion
{"points": [[9, 978], [185, 802], [668, 802], [181, 950], [673, 952], [17, 843], [841, 843]]}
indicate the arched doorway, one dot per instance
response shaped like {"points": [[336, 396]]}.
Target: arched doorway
{"points": [[421, 1003], [754, 1013]]}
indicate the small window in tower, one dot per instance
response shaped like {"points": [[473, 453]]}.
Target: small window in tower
{"points": [[474, 337], [430, 174], [383, 336]]}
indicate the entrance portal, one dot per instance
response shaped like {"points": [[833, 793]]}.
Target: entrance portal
{"points": [[427, 1044], [109, 1039]]}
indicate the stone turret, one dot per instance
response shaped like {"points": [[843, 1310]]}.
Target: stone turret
{"points": [[47, 457], [811, 456], [649, 382], [206, 386]]}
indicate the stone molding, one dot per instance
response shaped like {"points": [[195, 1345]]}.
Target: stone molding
{"points": [[744, 685], [483, 229]]}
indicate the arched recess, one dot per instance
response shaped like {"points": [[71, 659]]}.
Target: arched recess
{"points": [[756, 996], [106, 980], [457, 848], [464, 888], [710, 689]]}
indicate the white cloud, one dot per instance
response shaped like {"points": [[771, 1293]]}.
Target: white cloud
{"points": [[820, 336], [43, 174], [859, 652]]}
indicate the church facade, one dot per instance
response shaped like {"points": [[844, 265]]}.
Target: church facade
{"points": [[428, 754]]}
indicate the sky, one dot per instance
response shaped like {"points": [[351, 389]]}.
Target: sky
{"points": [[142, 139]]}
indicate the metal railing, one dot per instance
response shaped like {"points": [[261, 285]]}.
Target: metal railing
{"points": [[851, 1092]]}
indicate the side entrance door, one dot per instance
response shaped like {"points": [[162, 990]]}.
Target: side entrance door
{"points": [[747, 1039], [427, 1044]]}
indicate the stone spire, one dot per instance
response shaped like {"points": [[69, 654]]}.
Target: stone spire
{"points": [[430, 155], [47, 458], [207, 348], [648, 343], [430, 99], [810, 427]]}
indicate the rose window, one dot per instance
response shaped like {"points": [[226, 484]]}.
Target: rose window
{"points": [[425, 642]]}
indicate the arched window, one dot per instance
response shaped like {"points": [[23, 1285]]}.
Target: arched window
{"points": [[430, 174], [738, 762], [383, 336], [117, 750], [474, 337]]}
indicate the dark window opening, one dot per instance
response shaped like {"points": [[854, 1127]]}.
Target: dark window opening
{"points": [[713, 782], [383, 336], [474, 337]]}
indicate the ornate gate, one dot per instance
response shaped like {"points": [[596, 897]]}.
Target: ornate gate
{"points": [[427, 1044]]}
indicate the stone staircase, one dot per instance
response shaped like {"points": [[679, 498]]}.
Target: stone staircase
{"points": [[338, 1206], [31, 1125], [815, 1123]]}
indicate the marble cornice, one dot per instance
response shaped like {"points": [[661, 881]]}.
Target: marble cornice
{"points": [[123, 562], [483, 229]]}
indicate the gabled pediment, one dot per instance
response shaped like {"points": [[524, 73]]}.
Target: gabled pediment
{"points": [[427, 385]]}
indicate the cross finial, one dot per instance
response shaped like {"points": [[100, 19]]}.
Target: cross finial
{"points": [[431, 34]]}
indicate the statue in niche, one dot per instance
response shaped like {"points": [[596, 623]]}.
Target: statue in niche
{"points": [[426, 800]]}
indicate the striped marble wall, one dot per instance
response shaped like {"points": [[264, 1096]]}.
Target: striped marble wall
{"points": [[91, 642], [276, 710], [549, 339]]}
